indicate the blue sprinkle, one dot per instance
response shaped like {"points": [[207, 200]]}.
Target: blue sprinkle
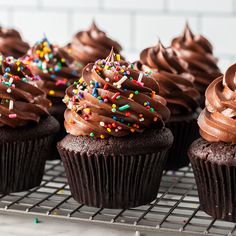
{"points": [[74, 72], [114, 118], [122, 120], [53, 76], [7, 69], [96, 84], [94, 92]]}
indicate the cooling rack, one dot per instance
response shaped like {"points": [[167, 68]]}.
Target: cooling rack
{"points": [[176, 208]]}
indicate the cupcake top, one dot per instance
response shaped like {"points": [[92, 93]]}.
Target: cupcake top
{"points": [[217, 121], [112, 99], [21, 101], [11, 43], [54, 65], [197, 51], [176, 83], [91, 45]]}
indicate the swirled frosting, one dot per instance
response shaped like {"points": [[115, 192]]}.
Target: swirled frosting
{"points": [[91, 45], [21, 100], [217, 121], [112, 99], [11, 43], [176, 83], [197, 51], [55, 66]]}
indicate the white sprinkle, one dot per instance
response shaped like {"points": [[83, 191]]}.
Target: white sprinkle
{"points": [[70, 105], [140, 77], [107, 80], [8, 90], [122, 80], [11, 80], [102, 123], [11, 103]]}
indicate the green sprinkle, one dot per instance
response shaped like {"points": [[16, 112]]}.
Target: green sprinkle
{"points": [[36, 220], [113, 110], [91, 134], [136, 92], [151, 109], [122, 108], [132, 66], [130, 78]]}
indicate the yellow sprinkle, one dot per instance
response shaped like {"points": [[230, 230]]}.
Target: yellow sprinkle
{"points": [[113, 105], [41, 54], [131, 95], [63, 60], [122, 71], [51, 92], [106, 67], [102, 136], [17, 62], [108, 129], [81, 80], [18, 68], [118, 57], [37, 52], [45, 43], [87, 110]]}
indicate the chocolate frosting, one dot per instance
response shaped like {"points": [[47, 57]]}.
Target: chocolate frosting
{"points": [[176, 83], [11, 43], [217, 121], [21, 100], [113, 99], [55, 66], [197, 51], [91, 45]]}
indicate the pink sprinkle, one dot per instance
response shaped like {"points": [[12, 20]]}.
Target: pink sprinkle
{"points": [[12, 116]]}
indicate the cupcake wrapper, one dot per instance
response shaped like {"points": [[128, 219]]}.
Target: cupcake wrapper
{"points": [[185, 132], [113, 181], [22, 163], [216, 186]]}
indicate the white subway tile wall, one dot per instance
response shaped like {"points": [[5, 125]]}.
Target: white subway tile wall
{"points": [[136, 24]]}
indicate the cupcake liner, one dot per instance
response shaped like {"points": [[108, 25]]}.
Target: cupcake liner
{"points": [[113, 181], [185, 132], [22, 163], [216, 184]]}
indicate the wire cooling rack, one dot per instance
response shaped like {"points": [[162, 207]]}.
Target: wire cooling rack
{"points": [[176, 208]]}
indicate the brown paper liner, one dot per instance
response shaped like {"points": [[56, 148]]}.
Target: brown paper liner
{"points": [[22, 163], [185, 132], [216, 184], [113, 181]]}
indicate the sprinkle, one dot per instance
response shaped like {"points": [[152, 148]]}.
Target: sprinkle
{"points": [[11, 80], [12, 116], [109, 130], [102, 123], [136, 92], [8, 90], [151, 109], [91, 134], [51, 92], [131, 95], [115, 96], [140, 77], [113, 105], [36, 220], [153, 94], [11, 103], [105, 86], [122, 108], [87, 110], [7, 69], [155, 119], [113, 110], [94, 92], [102, 136], [118, 57], [122, 80], [132, 130]]}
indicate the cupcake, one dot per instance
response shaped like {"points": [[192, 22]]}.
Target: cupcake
{"points": [[91, 45], [213, 156], [26, 129], [197, 51], [57, 70], [11, 43], [176, 86], [115, 151]]}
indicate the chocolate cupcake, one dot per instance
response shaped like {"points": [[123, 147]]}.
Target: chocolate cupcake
{"points": [[213, 156], [58, 70], [26, 129], [11, 43], [176, 86], [91, 45], [115, 152], [197, 51]]}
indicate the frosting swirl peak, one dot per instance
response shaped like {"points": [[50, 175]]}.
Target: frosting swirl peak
{"points": [[217, 121], [176, 83], [21, 101], [88, 46], [54, 65], [112, 98]]}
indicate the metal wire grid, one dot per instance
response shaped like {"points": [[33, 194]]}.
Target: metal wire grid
{"points": [[176, 208]]}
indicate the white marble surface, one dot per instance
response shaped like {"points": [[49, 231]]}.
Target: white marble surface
{"points": [[23, 225]]}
